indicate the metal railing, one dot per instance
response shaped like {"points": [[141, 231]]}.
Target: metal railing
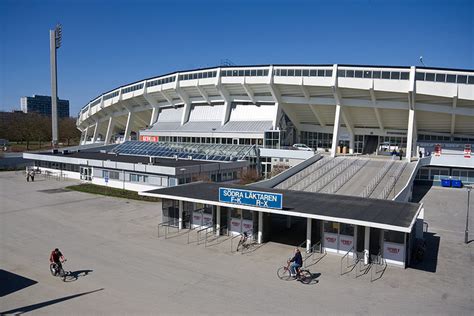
{"points": [[220, 229], [348, 264], [361, 268], [393, 180], [250, 236], [330, 176], [203, 230], [313, 254], [342, 179], [377, 261], [166, 225], [376, 180], [300, 176]]}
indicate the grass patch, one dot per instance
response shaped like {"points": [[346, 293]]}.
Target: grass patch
{"points": [[108, 191]]}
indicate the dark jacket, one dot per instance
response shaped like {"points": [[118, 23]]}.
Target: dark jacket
{"points": [[297, 259]]}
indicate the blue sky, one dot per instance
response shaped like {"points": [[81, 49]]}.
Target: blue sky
{"points": [[110, 43]]}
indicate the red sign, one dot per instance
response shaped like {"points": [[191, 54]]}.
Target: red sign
{"points": [[330, 239], [467, 151], [393, 250], [346, 242]]}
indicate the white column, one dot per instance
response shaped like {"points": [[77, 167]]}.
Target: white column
{"points": [[128, 128], [366, 245], [96, 132], [351, 143], [355, 239], [218, 220], [110, 129], [260, 227], [85, 135], [180, 215], [154, 116], [410, 134], [335, 132], [308, 234]]}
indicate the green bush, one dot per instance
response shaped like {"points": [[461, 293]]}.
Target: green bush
{"points": [[108, 191]]}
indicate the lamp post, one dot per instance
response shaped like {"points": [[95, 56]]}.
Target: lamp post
{"points": [[466, 232], [55, 38]]}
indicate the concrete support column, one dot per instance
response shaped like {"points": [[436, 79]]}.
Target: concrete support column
{"points": [[128, 128], [260, 227], [110, 130], [308, 234], [218, 220], [351, 143], [355, 238], [96, 132], [335, 132], [180, 215], [154, 115], [366, 245], [411, 133], [85, 135]]}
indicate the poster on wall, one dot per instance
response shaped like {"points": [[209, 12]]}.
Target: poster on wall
{"points": [[236, 225], [330, 241], [393, 251], [345, 243], [437, 150], [467, 151], [247, 226], [197, 219], [206, 219]]}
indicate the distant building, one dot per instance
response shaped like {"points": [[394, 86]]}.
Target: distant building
{"points": [[41, 104]]}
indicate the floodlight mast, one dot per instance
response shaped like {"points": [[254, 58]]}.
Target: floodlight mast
{"points": [[55, 37]]}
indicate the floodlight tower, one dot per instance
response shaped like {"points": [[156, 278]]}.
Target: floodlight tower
{"points": [[55, 37]]}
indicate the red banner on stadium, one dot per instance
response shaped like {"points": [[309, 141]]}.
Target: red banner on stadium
{"points": [[437, 150], [467, 151]]}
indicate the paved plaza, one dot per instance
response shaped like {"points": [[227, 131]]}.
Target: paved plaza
{"points": [[123, 268]]}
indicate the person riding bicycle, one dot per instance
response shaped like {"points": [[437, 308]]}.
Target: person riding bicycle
{"points": [[57, 258], [242, 240], [296, 262]]}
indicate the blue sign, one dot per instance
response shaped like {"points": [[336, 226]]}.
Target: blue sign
{"points": [[252, 198]]}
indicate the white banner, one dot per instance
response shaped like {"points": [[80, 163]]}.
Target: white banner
{"points": [[236, 225], [393, 251], [330, 241], [345, 243], [247, 226], [206, 219], [197, 219]]}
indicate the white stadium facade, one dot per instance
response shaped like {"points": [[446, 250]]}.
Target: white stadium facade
{"points": [[322, 106]]}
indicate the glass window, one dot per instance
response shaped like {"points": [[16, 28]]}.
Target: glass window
{"points": [[470, 80], [329, 73], [291, 72], [331, 227], [265, 72], [320, 73], [347, 229], [367, 74], [259, 72], [385, 74], [393, 236], [247, 214], [376, 74], [305, 72], [298, 72], [247, 73], [462, 79], [429, 77], [253, 72], [440, 77], [350, 73], [395, 75], [313, 73], [404, 75], [284, 72], [235, 213], [341, 73], [241, 73], [358, 73], [451, 78]]}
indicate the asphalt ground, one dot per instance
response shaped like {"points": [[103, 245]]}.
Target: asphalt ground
{"points": [[121, 267]]}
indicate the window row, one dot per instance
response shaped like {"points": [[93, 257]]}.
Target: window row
{"points": [[199, 75], [245, 72], [133, 88], [95, 102], [111, 95], [160, 81], [303, 72], [376, 74], [422, 76]]}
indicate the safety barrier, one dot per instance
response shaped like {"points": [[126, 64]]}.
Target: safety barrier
{"points": [[377, 261], [348, 265], [377, 179], [216, 237], [250, 236], [393, 180], [300, 176], [166, 225], [329, 164], [203, 231], [331, 175], [342, 179], [316, 253]]}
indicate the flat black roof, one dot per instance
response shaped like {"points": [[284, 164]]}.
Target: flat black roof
{"points": [[343, 208], [168, 162]]}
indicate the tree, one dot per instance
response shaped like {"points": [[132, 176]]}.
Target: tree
{"points": [[68, 130]]}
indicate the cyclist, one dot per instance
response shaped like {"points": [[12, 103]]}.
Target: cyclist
{"points": [[57, 258], [296, 263], [242, 240]]}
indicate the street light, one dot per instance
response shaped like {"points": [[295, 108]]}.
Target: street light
{"points": [[466, 232], [55, 38]]}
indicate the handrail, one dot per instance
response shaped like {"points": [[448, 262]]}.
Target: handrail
{"points": [[346, 256], [191, 229], [380, 262], [163, 224], [202, 229], [215, 229], [239, 235]]}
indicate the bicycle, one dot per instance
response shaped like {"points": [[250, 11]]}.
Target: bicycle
{"points": [[302, 275], [58, 271]]}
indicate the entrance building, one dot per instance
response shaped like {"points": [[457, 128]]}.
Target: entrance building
{"points": [[366, 228]]}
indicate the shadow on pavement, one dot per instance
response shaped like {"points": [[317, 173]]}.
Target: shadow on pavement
{"points": [[419, 192], [74, 275], [430, 259], [11, 282], [29, 308]]}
